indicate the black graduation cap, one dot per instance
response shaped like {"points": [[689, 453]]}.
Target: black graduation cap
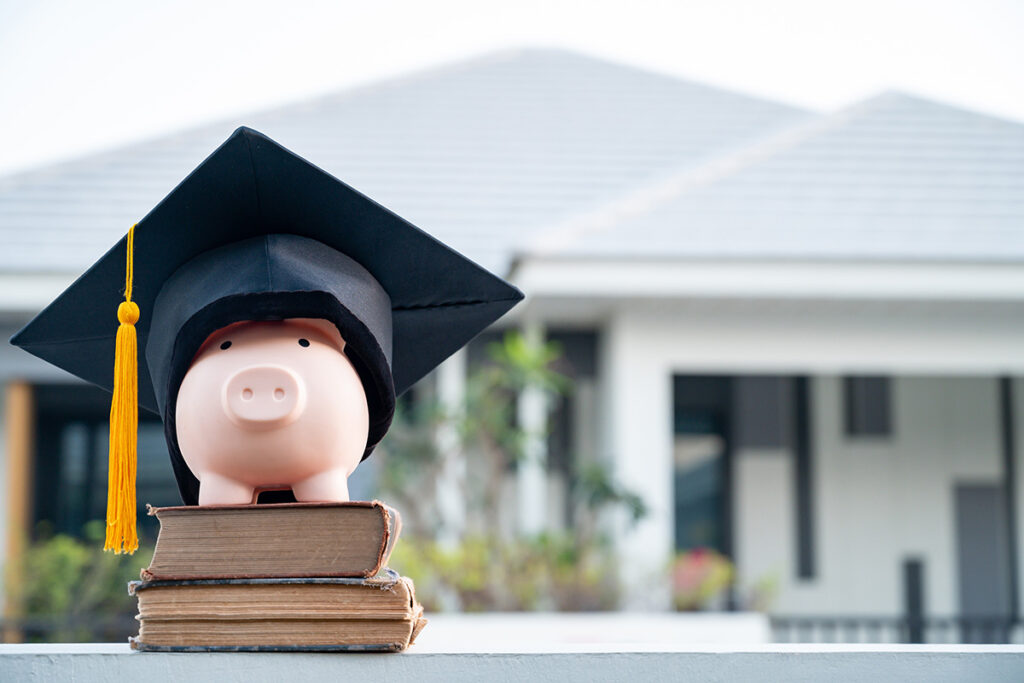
{"points": [[258, 233]]}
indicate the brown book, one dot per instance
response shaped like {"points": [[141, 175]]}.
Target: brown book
{"points": [[351, 539], [379, 613]]}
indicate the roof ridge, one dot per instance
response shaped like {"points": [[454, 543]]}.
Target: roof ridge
{"points": [[653, 71], [648, 197], [890, 94]]}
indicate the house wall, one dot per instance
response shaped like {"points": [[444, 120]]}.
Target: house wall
{"points": [[876, 501], [637, 443], [899, 488], [873, 499]]}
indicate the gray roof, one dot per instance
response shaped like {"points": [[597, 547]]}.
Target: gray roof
{"points": [[483, 154], [895, 177]]}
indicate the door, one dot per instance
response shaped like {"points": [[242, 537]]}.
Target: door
{"points": [[982, 559]]}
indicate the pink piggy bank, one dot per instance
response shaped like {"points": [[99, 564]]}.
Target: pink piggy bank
{"points": [[272, 405]]}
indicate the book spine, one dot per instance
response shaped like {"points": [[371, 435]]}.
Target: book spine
{"points": [[381, 556]]}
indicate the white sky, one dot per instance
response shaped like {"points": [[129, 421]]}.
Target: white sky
{"points": [[81, 76]]}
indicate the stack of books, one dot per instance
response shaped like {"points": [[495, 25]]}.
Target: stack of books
{"points": [[293, 576]]}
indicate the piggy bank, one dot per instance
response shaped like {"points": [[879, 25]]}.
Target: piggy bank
{"points": [[272, 405]]}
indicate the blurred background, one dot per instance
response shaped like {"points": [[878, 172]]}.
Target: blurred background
{"points": [[771, 359]]}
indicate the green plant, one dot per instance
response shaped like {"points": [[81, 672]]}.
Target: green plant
{"points": [[595, 489], [548, 571], [760, 596], [69, 590], [483, 568], [698, 577]]}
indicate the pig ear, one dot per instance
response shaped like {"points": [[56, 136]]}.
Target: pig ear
{"points": [[341, 343], [325, 328]]}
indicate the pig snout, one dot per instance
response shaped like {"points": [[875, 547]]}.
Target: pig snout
{"points": [[264, 396]]}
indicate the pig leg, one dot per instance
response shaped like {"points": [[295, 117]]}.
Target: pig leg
{"points": [[329, 486], [216, 489]]}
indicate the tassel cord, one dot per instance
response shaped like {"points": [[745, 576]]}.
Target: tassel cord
{"points": [[121, 531]]}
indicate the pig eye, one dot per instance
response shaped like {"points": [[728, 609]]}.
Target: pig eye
{"points": [[303, 343], [225, 345]]}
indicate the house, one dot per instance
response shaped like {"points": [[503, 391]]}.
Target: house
{"points": [[797, 334]]}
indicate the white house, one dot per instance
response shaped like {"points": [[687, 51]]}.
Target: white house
{"points": [[800, 335]]}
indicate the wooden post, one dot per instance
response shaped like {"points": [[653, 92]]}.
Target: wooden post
{"points": [[18, 483]]}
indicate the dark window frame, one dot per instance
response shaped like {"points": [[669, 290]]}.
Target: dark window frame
{"points": [[66, 505], [868, 407], [803, 479]]}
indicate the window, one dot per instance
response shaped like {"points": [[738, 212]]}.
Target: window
{"points": [[71, 460], [868, 406], [701, 474]]}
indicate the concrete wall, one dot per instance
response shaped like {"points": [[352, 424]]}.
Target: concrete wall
{"points": [[877, 501], [505, 661]]}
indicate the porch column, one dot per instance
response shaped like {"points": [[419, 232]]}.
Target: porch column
{"points": [[1016, 417], [18, 427], [637, 416], [531, 472], [4, 511], [451, 500]]}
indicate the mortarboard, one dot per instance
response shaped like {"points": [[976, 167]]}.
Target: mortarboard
{"points": [[257, 233]]}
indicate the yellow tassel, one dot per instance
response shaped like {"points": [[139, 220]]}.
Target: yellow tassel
{"points": [[122, 536]]}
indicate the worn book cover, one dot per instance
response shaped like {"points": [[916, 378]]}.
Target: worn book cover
{"points": [[379, 613], [352, 539]]}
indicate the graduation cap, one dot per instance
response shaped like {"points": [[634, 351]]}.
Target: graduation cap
{"points": [[257, 233]]}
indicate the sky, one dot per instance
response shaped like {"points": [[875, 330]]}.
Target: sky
{"points": [[79, 77]]}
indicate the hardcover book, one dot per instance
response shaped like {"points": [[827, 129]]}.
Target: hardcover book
{"points": [[351, 539], [278, 614]]}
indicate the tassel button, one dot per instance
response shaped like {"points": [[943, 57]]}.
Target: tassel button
{"points": [[128, 312]]}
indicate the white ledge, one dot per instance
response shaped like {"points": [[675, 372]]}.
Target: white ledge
{"points": [[563, 663], [829, 280]]}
